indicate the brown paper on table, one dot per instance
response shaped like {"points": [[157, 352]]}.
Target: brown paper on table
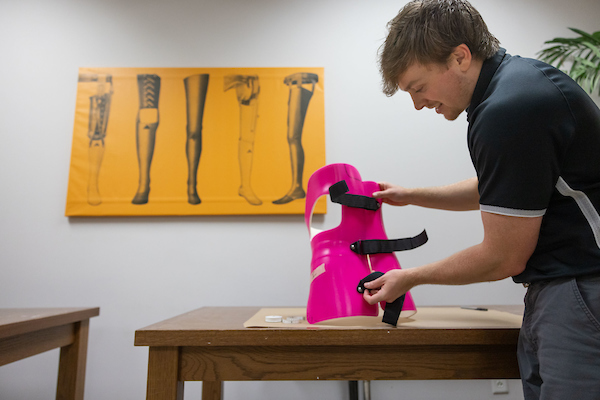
{"points": [[426, 317]]}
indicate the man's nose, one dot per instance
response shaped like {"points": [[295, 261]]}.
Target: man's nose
{"points": [[418, 101]]}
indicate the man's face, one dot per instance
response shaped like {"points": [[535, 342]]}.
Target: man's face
{"points": [[439, 86]]}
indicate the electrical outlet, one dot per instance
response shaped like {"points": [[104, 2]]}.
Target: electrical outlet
{"points": [[499, 386]]}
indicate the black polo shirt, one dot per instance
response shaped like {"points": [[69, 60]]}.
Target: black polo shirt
{"points": [[534, 138]]}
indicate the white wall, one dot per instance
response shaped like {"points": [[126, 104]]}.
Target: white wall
{"points": [[142, 270]]}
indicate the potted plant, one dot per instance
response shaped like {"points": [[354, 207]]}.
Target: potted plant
{"points": [[583, 52]]}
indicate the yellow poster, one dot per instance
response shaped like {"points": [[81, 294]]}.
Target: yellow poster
{"points": [[195, 141]]}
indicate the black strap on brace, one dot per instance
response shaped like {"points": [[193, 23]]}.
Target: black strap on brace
{"points": [[338, 194], [375, 246], [391, 314]]}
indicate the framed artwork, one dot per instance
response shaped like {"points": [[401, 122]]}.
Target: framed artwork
{"points": [[195, 141]]}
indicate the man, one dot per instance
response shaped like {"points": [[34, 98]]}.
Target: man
{"points": [[534, 139]]}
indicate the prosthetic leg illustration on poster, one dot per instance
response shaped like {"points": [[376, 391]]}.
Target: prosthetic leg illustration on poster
{"points": [[196, 87], [146, 126], [98, 121], [247, 89], [299, 98]]}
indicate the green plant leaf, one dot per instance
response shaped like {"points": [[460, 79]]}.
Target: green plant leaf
{"points": [[584, 53], [584, 34], [586, 63], [596, 80], [594, 49]]}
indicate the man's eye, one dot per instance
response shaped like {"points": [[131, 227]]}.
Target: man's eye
{"points": [[419, 90]]}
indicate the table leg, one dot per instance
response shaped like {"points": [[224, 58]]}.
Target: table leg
{"points": [[163, 371], [353, 389], [212, 390], [71, 366]]}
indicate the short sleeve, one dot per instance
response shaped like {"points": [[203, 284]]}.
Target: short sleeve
{"points": [[516, 145]]}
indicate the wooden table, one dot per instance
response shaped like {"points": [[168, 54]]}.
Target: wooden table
{"points": [[211, 345], [25, 332]]}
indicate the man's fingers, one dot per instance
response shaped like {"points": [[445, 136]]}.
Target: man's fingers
{"points": [[376, 283], [372, 293], [370, 297]]}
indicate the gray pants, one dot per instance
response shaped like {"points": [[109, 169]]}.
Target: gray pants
{"points": [[559, 343]]}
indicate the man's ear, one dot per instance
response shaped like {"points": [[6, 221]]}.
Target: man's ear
{"points": [[463, 56]]}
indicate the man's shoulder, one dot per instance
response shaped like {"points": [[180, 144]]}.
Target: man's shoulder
{"points": [[524, 87], [527, 78]]}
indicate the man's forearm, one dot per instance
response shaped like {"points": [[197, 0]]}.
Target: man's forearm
{"points": [[460, 196], [472, 265], [506, 247]]}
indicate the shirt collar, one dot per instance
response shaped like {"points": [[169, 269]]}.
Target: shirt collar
{"points": [[488, 70]]}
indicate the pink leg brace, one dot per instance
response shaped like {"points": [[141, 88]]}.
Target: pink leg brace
{"points": [[346, 254]]}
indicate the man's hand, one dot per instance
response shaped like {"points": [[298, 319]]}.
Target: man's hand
{"points": [[387, 287], [392, 194]]}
